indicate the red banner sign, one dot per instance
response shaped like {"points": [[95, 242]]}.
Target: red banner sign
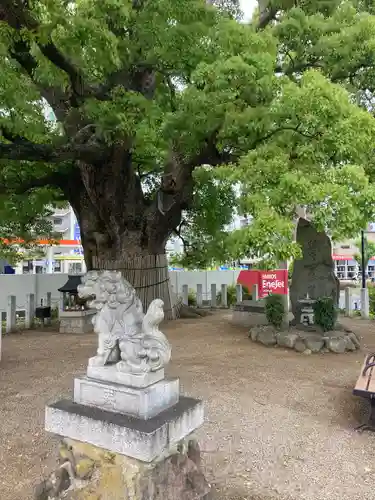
{"points": [[275, 281]]}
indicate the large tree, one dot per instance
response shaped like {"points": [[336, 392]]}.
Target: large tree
{"points": [[112, 75], [143, 93], [320, 128]]}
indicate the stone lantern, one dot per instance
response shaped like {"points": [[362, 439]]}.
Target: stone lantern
{"points": [[75, 317], [306, 311]]}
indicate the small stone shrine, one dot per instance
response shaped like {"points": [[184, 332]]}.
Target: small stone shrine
{"points": [[127, 433], [75, 316]]}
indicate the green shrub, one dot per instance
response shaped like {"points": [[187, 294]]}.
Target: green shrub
{"points": [[275, 309], [192, 298], [232, 295], [371, 299], [55, 312], [325, 313]]}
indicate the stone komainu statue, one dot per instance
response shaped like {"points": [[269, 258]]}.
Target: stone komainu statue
{"points": [[126, 335]]}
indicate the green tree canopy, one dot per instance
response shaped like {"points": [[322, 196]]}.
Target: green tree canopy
{"points": [[368, 253], [146, 92]]}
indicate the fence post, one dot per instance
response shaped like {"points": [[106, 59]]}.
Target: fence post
{"points": [[199, 295], [286, 310], [255, 293], [30, 310], [49, 304], [185, 295], [238, 294], [213, 295], [224, 296], [62, 302], [365, 310], [348, 301], [11, 313]]}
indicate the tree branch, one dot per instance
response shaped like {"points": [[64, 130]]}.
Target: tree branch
{"points": [[172, 92], [177, 232], [141, 79], [52, 179], [9, 135], [296, 129], [267, 14], [16, 14], [299, 67], [29, 151]]}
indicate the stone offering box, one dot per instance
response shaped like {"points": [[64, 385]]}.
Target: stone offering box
{"points": [[76, 321]]}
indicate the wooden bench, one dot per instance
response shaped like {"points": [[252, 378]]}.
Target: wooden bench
{"points": [[365, 387]]}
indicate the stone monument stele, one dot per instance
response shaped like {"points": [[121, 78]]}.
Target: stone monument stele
{"points": [[124, 405]]}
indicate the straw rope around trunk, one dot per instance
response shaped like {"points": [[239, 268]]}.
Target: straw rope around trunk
{"points": [[150, 278]]}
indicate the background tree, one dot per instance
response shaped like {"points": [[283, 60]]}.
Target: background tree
{"points": [[204, 228], [24, 220], [369, 251], [307, 158]]}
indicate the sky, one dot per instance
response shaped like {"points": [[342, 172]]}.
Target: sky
{"points": [[248, 6]]}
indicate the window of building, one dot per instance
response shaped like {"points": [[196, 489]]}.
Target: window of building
{"points": [[346, 247], [57, 221], [75, 268]]}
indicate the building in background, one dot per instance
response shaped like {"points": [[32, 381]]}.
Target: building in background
{"points": [[346, 267], [67, 256]]}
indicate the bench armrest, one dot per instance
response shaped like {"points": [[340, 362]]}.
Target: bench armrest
{"points": [[370, 361]]}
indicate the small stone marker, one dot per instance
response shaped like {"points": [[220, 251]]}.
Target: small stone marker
{"points": [[199, 295], [238, 294]]}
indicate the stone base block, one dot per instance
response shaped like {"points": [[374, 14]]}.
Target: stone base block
{"points": [[141, 439], [90, 473], [246, 318], [76, 321], [109, 373], [306, 342], [143, 403]]}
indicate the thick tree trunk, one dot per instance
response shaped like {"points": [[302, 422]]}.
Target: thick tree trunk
{"points": [[145, 267], [127, 235], [149, 276]]}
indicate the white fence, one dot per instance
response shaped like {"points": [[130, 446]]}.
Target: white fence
{"points": [[39, 285], [204, 278], [21, 285]]}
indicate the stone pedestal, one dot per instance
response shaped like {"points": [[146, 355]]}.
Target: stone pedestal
{"points": [[76, 321], [143, 403], [143, 422], [87, 472], [109, 373]]}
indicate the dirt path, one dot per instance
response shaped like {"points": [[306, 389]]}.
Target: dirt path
{"points": [[279, 424]]}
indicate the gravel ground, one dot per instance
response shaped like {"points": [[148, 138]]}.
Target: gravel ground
{"points": [[279, 424]]}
